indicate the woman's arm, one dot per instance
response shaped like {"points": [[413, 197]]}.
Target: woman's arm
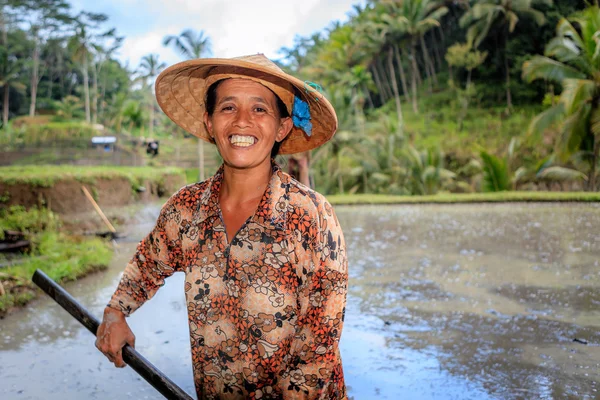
{"points": [[157, 257]]}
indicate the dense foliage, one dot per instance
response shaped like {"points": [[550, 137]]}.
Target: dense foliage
{"points": [[429, 93], [430, 97]]}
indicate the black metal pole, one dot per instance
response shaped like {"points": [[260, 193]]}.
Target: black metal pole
{"points": [[134, 359]]}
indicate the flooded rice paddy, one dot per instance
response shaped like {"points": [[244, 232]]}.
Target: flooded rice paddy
{"points": [[445, 302]]}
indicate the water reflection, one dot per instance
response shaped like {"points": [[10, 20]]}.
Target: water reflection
{"points": [[445, 302], [494, 294]]}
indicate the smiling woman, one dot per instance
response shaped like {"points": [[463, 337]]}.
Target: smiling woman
{"points": [[245, 107], [264, 256]]}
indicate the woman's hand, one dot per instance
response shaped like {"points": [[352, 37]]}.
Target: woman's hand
{"points": [[113, 333]]}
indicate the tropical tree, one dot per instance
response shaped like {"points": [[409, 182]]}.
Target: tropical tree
{"points": [[44, 17], [485, 15], [426, 171], [81, 46], [192, 45], [496, 175], [10, 78], [462, 56], [102, 53], [358, 81], [572, 59], [150, 67], [133, 115], [68, 107], [116, 110], [413, 19], [380, 37], [10, 65], [189, 43]]}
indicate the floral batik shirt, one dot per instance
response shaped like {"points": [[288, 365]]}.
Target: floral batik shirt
{"points": [[265, 308]]}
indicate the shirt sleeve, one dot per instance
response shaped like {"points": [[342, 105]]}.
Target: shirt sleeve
{"points": [[157, 257], [315, 369]]}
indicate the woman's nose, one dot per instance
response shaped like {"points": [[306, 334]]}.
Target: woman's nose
{"points": [[243, 118]]}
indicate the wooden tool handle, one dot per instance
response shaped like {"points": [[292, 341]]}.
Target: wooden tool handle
{"points": [[98, 209], [134, 359]]}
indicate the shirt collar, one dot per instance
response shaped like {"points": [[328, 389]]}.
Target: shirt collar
{"points": [[272, 208]]}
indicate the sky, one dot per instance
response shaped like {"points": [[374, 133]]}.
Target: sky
{"points": [[236, 27]]}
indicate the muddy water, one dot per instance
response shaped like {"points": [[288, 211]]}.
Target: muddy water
{"points": [[446, 302]]}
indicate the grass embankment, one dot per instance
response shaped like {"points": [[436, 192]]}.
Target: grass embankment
{"points": [[27, 131], [61, 256], [457, 198], [438, 125], [48, 175]]}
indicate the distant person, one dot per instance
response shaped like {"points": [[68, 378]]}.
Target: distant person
{"points": [[299, 167], [152, 148], [264, 256]]}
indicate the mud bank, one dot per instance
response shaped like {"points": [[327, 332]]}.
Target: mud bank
{"points": [[64, 195]]}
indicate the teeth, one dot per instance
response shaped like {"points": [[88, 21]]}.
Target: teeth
{"points": [[242, 141]]}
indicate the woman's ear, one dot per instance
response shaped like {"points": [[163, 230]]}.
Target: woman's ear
{"points": [[285, 127], [208, 124]]}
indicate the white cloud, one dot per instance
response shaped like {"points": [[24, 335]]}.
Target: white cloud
{"points": [[236, 27], [136, 47]]}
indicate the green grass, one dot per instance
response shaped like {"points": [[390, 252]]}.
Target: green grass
{"points": [[191, 175], [489, 128], [48, 175], [30, 133], [16, 218], [62, 257], [456, 198]]}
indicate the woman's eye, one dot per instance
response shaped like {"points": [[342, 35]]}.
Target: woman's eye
{"points": [[260, 109], [227, 108]]}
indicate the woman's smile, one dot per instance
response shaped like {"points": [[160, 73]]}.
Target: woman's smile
{"points": [[242, 140]]}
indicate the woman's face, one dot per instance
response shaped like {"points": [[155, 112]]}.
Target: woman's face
{"points": [[245, 123]]}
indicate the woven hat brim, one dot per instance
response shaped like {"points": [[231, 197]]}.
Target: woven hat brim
{"points": [[181, 92]]}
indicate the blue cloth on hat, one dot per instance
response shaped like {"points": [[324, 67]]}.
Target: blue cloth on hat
{"points": [[301, 115]]}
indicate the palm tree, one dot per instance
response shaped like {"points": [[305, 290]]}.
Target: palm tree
{"points": [[426, 169], [116, 110], [10, 70], [68, 107], [189, 43], [45, 17], [192, 45], [504, 14], [414, 18], [150, 67], [102, 54], [572, 59], [378, 37], [133, 114], [80, 47], [359, 81], [496, 175]]}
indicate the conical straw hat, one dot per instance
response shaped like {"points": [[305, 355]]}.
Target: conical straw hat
{"points": [[181, 93]]}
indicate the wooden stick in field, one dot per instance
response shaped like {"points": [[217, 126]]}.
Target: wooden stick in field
{"points": [[134, 359], [91, 199]]}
